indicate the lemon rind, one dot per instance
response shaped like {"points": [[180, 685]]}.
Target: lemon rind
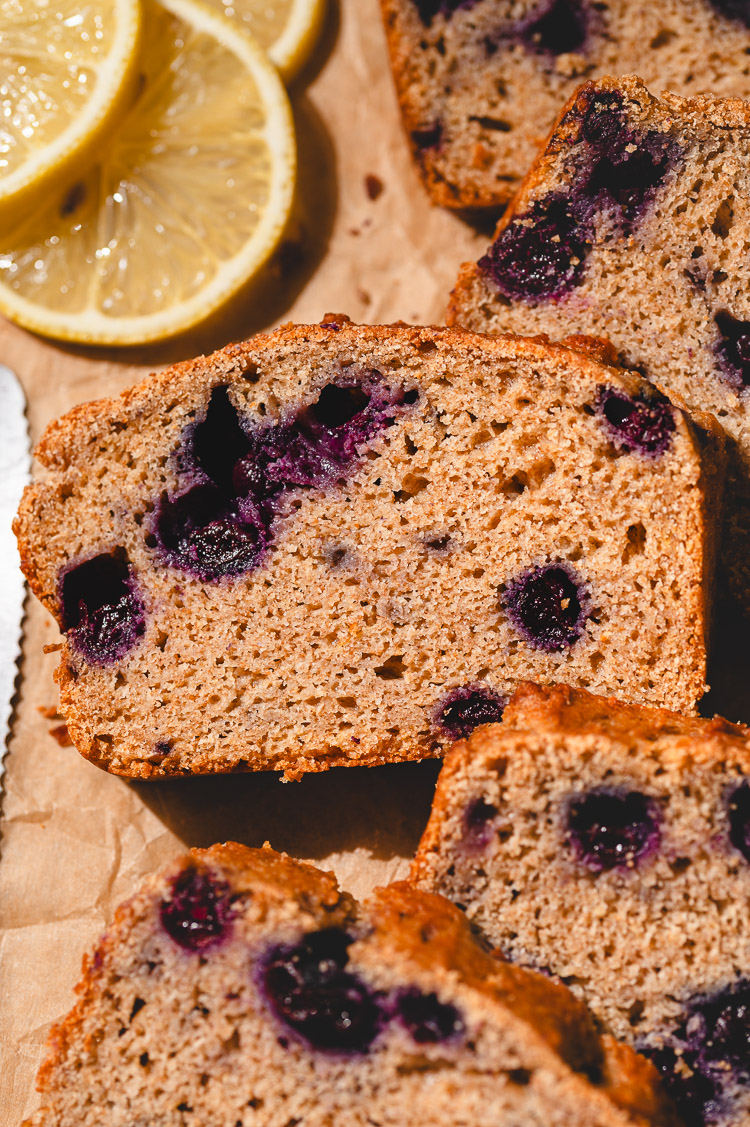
{"points": [[294, 46]]}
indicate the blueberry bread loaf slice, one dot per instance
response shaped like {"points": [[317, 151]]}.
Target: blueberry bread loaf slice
{"points": [[339, 544], [243, 989], [633, 225], [480, 82], [610, 844]]}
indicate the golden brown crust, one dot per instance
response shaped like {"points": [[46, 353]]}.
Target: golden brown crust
{"points": [[565, 709]]}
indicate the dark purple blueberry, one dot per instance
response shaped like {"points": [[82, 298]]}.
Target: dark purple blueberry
{"points": [[219, 442], [739, 819], [719, 1026], [548, 605], [427, 1020], [609, 829], [603, 123], [429, 137], [222, 525], [202, 534], [199, 911], [429, 9], [556, 28], [540, 254], [734, 348], [696, 1095], [628, 178], [464, 709], [734, 10], [102, 611], [311, 992], [641, 423]]}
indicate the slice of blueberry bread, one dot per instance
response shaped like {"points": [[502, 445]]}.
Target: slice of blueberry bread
{"points": [[610, 844], [342, 544], [481, 82], [243, 989], [633, 225]]}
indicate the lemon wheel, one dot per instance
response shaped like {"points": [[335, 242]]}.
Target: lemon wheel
{"points": [[67, 73], [189, 197], [286, 29]]}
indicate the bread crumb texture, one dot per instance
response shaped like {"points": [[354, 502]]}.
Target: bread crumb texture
{"points": [[315, 547]]}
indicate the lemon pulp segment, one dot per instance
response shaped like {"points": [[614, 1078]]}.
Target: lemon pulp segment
{"points": [[65, 75]]}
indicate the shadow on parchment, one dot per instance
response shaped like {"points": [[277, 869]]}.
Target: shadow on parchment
{"points": [[382, 810]]}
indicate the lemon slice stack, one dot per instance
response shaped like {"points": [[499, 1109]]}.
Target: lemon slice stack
{"points": [[165, 162]]}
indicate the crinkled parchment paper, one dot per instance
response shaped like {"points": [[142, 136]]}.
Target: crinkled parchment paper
{"points": [[76, 841]]}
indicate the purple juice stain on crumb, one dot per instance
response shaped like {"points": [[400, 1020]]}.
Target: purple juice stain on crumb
{"points": [[612, 829], [478, 820], [733, 349], [555, 28], [462, 710], [640, 423], [309, 990], [718, 1027], [739, 819], [222, 525], [624, 166], [428, 10], [428, 1020], [540, 254], [198, 912], [695, 1094], [548, 605], [102, 610]]}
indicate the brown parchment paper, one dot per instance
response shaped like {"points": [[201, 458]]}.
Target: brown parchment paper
{"points": [[75, 841]]}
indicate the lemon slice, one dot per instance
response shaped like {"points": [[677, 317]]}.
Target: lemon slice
{"points": [[186, 203], [286, 29], [65, 75]]}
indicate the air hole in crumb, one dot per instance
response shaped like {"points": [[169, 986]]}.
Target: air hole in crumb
{"points": [[724, 219], [662, 38], [636, 537], [138, 1005], [144, 1060], [635, 1013], [520, 1077], [438, 543], [347, 702], [410, 487], [392, 669], [680, 865], [515, 485]]}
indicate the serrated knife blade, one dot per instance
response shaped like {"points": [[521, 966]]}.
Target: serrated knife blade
{"points": [[15, 472]]}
